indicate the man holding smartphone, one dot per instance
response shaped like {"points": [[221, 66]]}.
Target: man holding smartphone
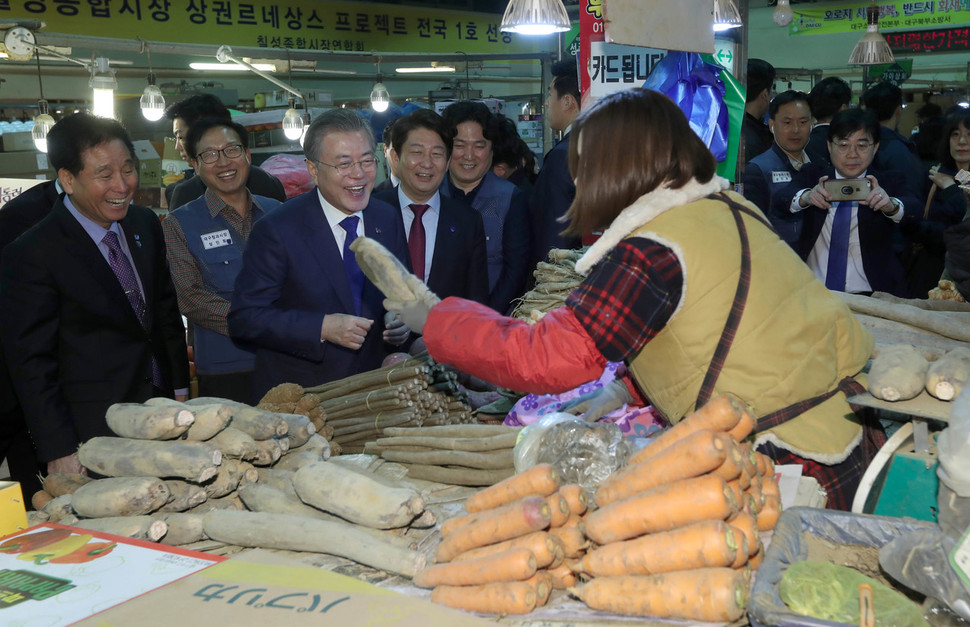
{"points": [[848, 226]]}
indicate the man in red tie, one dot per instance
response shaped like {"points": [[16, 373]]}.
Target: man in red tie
{"points": [[446, 237]]}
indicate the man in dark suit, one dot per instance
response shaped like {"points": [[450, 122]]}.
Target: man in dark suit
{"points": [[790, 121], [848, 244], [300, 298], [829, 96], [88, 313], [554, 190], [447, 243], [183, 115], [16, 216]]}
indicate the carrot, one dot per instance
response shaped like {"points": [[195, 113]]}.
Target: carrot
{"points": [[662, 508], [755, 492], [527, 515], [562, 577], [735, 486], [57, 484], [762, 460], [704, 544], [745, 524], [706, 594], [746, 424], [769, 487], [732, 466], [450, 526], [699, 453], [744, 478], [768, 516], [742, 555], [758, 557], [542, 545], [507, 597], [573, 540], [558, 509], [576, 497], [719, 414], [541, 480], [746, 571], [40, 499], [750, 504], [542, 582], [749, 459], [573, 521], [511, 565]]}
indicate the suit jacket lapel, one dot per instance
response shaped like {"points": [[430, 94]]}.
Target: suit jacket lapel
{"points": [[322, 247], [78, 244]]}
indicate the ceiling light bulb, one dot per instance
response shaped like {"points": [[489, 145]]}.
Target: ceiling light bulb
{"points": [[726, 15], [783, 15], [152, 103], [42, 125], [872, 49], [292, 124], [535, 17], [380, 100], [102, 85]]}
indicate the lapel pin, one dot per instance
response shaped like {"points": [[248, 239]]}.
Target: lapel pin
{"points": [[377, 230], [137, 240], [452, 229]]}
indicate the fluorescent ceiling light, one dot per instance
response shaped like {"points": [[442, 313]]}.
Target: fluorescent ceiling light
{"points": [[231, 67], [421, 70], [324, 71]]}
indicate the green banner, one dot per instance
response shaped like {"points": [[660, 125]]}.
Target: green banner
{"points": [[293, 24], [851, 16]]}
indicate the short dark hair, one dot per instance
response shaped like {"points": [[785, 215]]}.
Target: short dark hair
{"points": [[929, 110], [828, 97], [202, 126], [565, 78], [337, 120], [196, 107], [468, 111], [505, 148], [883, 99], [849, 121], [659, 149], [953, 122], [786, 97], [421, 118], [761, 76], [386, 133], [75, 133]]}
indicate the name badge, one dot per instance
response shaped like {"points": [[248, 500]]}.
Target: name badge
{"points": [[216, 239], [780, 176]]}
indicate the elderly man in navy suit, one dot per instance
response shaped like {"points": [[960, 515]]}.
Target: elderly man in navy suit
{"points": [[446, 237], [300, 298]]}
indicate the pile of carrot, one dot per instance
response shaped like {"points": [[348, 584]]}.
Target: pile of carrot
{"points": [[676, 533], [507, 554]]}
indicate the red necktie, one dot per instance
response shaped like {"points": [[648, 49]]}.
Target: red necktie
{"points": [[416, 240]]}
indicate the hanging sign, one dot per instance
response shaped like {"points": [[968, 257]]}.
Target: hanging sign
{"points": [[851, 16], [292, 24], [935, 40], [895, 73]]}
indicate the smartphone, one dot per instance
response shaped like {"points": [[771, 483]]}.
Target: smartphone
{"points": [[848, 189]]}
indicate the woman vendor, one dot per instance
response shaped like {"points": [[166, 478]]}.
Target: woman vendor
{"points": [[691, 288]]}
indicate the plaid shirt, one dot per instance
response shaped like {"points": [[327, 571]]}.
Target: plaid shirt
{"points": [[197, 303], [628, 297]]}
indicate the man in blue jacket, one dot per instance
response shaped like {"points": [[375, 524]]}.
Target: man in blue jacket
{"points": [[205, 240], [790, 120], [300, 297]]}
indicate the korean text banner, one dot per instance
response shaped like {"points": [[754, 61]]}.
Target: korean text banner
{"points": [[851, 16], [293, 24]]}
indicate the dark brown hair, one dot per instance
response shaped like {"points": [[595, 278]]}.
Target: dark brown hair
{"points": [[626, 145]]}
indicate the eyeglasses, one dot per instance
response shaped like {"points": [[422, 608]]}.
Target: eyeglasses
{"points": [[845, 147], [344, 168], [211, 156]]}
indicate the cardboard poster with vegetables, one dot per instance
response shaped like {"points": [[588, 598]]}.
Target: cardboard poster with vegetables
{"points": [[55, 575]]}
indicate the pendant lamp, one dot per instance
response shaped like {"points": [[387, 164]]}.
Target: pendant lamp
{"points": [[873, 48], [535, 17]]}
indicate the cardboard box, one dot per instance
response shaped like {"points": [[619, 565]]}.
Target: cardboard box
{"points": [[18, 141], [24, 165], [149, 164], [13, 513], [173, 171], [149, 197], [170, 152]]}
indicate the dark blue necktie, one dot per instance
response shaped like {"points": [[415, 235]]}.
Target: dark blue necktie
{"points": [[839, 247], [355, 276]]}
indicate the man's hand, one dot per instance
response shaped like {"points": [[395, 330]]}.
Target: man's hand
{"points": [[395, 331], [345, 330], [181, 397], [878, 199], [66, 465], [818, 196]]}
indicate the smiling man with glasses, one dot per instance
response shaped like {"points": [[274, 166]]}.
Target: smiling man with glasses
{"points": [[301, 299], [848, 244], [205, 240]]}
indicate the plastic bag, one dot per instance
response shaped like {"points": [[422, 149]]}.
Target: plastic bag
{"points": [[825, 590], [584, 453], [292, 173], [953, 446], [919, 561]]}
